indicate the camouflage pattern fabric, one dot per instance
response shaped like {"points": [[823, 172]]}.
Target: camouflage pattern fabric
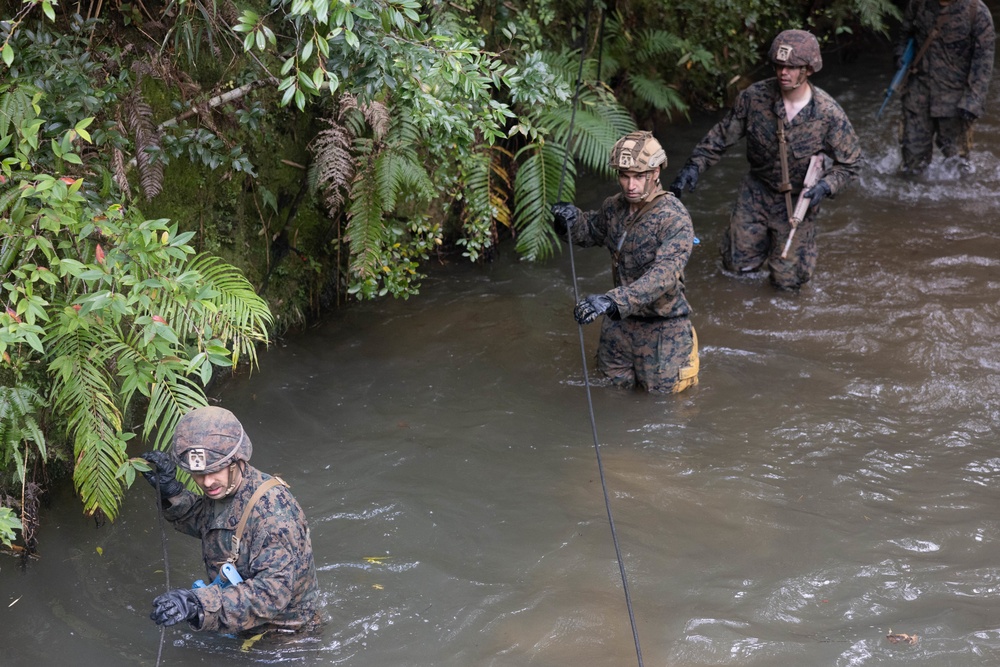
{"points": [[920, 131], [660, 356], [953, 74], [758, 230], [760, 211], [653, 340], [280, 591]]}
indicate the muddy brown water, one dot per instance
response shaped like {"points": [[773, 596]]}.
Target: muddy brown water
{"points": [[833, 478]]}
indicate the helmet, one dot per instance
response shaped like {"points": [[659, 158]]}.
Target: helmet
{"points": [[637, 151], [796, 48], [209, 439]]}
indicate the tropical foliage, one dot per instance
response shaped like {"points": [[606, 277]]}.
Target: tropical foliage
{"points": [[365, 138], [108, 317]]}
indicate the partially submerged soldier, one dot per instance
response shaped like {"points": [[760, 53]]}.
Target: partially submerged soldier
{"points": [[246, 518], [646, 338], [786, 121], [947, 84]]}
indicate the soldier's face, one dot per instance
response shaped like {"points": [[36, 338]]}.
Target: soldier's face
{"points": [[635, 184], [216, 484], [790, 78]]}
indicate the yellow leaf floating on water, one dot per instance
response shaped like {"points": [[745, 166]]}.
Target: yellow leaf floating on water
{"points": [[378, 587], [376, 560], [250, 642], [100, 551]]}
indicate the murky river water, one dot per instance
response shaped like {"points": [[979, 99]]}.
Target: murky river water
{"points": [[833, 478]]}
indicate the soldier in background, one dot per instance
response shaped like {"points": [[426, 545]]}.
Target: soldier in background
{"points": [[946, 86], [246, 518], [646, 338], [786, 121]]}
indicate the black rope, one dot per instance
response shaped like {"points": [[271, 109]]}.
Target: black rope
{"points": [[166, 562], [583, 353]]}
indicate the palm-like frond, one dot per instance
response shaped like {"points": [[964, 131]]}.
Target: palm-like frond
{"points": [[655, 94], [240, 318], [19, 426], [365, 229], [82, 389], [536, 186], [15, 106]]}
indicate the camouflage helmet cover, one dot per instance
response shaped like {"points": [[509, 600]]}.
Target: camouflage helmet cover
{"points": [[637, 151], [209, 439], [796, 48]]}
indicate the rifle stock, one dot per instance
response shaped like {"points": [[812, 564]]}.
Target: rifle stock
{"points": [[813, 174]]}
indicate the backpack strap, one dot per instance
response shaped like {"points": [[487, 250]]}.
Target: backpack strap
{"points": [[248, 510]]}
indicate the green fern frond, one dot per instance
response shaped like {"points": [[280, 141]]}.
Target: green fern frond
{"points": [[19, 407], [656, 94], [242, 318], [15, 106], [172, 397], [654, 44], [366, 230], [536, 186]]}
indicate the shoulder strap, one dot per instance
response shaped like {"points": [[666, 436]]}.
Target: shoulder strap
{"points": [[258, 494]]}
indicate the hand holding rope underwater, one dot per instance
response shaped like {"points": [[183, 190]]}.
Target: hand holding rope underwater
{"points": [[583, 348]]}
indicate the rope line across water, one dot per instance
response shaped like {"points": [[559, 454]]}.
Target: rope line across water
{"points": [[583, 349]]}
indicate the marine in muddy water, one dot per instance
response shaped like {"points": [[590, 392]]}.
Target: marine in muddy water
{"points": [[647, 339], [245, 517], [947, 83], [786, 121]]}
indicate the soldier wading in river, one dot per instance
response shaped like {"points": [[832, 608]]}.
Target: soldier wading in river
{"points": [[246, 518], [646, 338], [947, 82], [786, 121]]}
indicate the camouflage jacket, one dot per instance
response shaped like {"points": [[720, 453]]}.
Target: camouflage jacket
{"points": [[648, 251], [279, 589], [957, 66], [821, 126]]}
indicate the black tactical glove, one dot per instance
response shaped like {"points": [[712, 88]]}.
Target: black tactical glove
{"points": [[596, 304], [686, 181], [180, 604], [817, 193], [966, 115], [163, 474], [564, 215]]}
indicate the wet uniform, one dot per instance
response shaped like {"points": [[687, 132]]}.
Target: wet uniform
{"points": [[759, 224], [279, 589], [652, 343], [953, 74]]}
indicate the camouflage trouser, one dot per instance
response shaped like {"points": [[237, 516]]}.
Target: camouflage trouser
{"points": [[758, 230], [658, 355], [921, 130]]}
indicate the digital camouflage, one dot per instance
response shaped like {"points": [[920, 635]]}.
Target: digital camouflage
{"points": [[952, 76], [653, 344], [759, 225], [279, 590]]}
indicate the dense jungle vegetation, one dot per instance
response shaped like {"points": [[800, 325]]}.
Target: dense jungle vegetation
{"points": [[181, 180]]}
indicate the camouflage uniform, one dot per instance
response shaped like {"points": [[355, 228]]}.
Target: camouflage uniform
{"points": [[952, 76], [279, 589], [759, 224], [652, 343]]}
